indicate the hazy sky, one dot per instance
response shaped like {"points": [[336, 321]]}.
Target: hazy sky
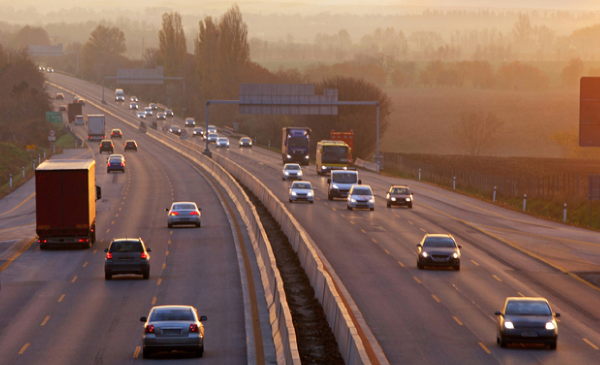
{"points": [[303, 6]]}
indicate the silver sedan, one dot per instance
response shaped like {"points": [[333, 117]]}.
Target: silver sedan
{"points": [[222, 142], [302, 191], [184, 213], [173, 327], [361, 196], [213, 137]]}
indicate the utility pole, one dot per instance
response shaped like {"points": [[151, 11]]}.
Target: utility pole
{"points": [[142, 48]]}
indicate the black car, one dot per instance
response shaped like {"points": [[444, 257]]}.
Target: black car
{"points": [[107, 145], [59, 96], [198, 132], [527, 320], [399, 195], [245, 142], [130, 145], [438, 250], [127, 256], [175, 130], [168, 112], [115, 163], [116, 133], [161, 116]]}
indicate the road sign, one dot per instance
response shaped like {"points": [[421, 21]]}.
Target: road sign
{"points": [[286, 99], [30, 147], [52, 138], [55, 51], [140, 76], [165, 128], [589, 112], [52, 133], [54, 117]]}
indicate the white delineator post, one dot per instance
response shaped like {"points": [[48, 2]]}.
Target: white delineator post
{"points": [[565, 213], [23, 169], [10, 177], [454, 183], [524, 201], [494, 197], [419, 174]]}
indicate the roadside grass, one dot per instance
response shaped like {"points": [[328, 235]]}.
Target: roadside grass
{"points": [[66, 141]]}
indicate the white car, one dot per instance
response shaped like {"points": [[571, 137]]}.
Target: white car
{"points": [[212, 137], [133, 106], [50, 69], [212, 129], [79, 120], [141, 115], [190, 122], [302, 191], [184, 213], [291, 171], [133, 98], [361, 196], [148, 111], [222, 142]]}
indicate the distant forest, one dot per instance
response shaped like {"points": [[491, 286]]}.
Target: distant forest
{"points": [[450, 35]]}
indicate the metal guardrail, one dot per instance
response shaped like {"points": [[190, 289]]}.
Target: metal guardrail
{"points": [[367, 165]]}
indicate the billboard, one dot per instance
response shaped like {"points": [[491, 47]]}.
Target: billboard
{"points": [[55, 51], [589, 112], [286, 99], [140, 76]]}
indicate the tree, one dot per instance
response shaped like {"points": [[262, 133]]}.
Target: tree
{"points": [[566, 142], [28, 36], [571, 74], [206, 51], [102, 51], [517, 76], [477, 132], [172, 44]]}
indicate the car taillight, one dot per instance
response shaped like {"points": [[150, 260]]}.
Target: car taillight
{"points": [[193, 213], [83, 240], [149, 328], [122, 164], [174, 213], [41, 241], [109, 255], [144, 255], [193, 328]]}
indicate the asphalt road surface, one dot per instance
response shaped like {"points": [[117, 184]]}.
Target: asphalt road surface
{"points": [[439, 316]]}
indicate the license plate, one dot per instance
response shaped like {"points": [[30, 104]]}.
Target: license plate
{"points": [[529, 334], [171, 332], [184, 219]]}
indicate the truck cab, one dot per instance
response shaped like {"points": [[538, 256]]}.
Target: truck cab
{"points": [[340, 182]]}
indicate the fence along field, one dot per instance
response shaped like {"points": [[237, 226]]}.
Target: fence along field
{"points": [[512, 176]]}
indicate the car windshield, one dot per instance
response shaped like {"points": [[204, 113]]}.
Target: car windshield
{"points": [[344, 177], [189, 120], [106, 144], [361, 191], [115, 160], [334, 154], [184, 207], [528, 308], [161, 315], [126, 246], [198, 130], [403, 191], [222, 139], [300, 185], [213, 135], [446, 242], [292, 167], [130, 143], [175, 128], [245, 140], [298, 142]]}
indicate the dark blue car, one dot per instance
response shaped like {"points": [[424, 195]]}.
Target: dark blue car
{"points": [[115, 163]]}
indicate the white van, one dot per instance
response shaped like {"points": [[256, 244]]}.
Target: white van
{"points": [[340, 182]]}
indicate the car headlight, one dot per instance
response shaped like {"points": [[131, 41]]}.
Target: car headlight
{"points": [[310, 193], [288, 156], [353, 200], [424, 254], [250, 143], [335, 186], [299, 173], [455, 255], [372, 200], [306, 156], [293, 193], [323, 167], [407, 199], [393, 199], [286, 173], [550, 326], [509, 325]]}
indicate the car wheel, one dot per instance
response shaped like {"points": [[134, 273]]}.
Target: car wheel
{"points": [[107, 276], [86, 246], [146, 354], [329, 196], [419, 266], [388, 205], [146, 275], [44, 246], [312, 201], [198, 225], [553, 345], [169, 225], [410, 206], [200, 352], [290, 200], [457, 268], [348, 207], [372, 209]]}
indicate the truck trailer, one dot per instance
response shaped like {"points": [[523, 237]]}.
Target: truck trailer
{"points": [[65, 198], [295, 145], [96, 127], [73, 110]]}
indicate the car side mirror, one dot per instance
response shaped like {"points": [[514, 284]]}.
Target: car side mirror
{"points": [[314, 189], [148, 250], [459, 246], [106, 250], [166, 209], [498, 313], [418, 245], [289, 187], [329, 181], [98, 193], [200, 209], [374, 194], [143, 319], [359, 181], [556, 314], [203, 318]]}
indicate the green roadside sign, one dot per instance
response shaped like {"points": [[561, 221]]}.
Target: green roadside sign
{"points": [[54, 117]]}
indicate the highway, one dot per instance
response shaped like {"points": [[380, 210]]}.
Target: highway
{"points": [[58, 309], [439, 316]]}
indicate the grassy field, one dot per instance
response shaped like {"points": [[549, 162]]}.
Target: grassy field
{"points": [[423, 119]]}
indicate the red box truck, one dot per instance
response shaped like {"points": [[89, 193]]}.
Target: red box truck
{"points": [[65, 198]]}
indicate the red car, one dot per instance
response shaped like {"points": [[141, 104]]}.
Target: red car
{"points": [[116, 133]]}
